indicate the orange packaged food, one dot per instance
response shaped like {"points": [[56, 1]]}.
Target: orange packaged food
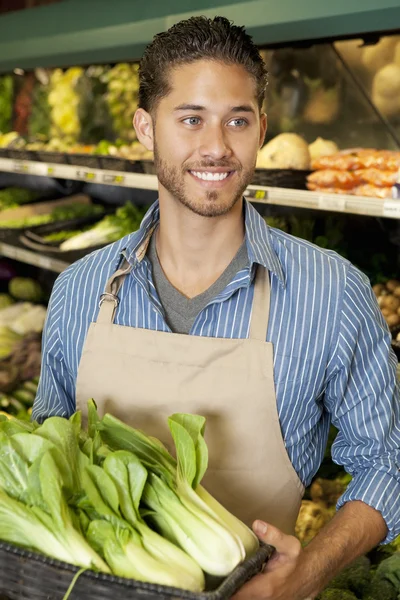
{"points": [[333, 178], [355, 159], [368, 190], [377, 177]]}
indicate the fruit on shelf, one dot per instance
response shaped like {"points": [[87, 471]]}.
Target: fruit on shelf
{"points": [[6, 100], [388, 296], [285, 151], [122, 93], [64, 101]]}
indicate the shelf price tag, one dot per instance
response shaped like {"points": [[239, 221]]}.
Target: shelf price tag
{"points": [[391, 209], [86, 175], [115, 179], [20, 167], [334, 203], [257, 195]]}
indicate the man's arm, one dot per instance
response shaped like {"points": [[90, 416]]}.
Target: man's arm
{"points": [[299, 574], [55, 395], [362, 397]]}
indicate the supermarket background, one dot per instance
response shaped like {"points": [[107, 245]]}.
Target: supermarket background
{"points": [[73, 177]]}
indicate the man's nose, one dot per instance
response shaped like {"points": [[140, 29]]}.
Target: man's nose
{"points": [[214, 144]]}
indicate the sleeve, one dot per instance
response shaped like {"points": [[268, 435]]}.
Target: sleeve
{"points": [[362, 397], [55, 395]]}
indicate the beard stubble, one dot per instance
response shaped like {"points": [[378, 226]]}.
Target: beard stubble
{"points": [[172, 179]]}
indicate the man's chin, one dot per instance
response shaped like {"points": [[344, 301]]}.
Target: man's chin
{"points": [[211, 205]]}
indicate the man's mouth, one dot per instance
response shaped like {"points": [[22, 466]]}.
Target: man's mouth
{"points": [[211, 176]]}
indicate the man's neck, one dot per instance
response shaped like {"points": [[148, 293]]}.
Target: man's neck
{"points": [[194, 251]]}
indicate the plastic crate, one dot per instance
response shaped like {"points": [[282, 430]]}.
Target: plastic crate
{"points": [[30, 576]]}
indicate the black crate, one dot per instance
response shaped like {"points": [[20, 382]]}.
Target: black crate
{"points": [[58, 158], [90, 161], [21, 154], [285, 178], [28, 575]]}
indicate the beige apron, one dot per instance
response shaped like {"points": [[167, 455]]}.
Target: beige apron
{"points": [[143, 376]]}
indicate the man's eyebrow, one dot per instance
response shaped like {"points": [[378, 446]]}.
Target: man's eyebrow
{"points": [[243, 108], [189, 107], [197, 107]]}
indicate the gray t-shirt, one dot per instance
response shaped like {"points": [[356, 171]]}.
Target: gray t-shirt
{"points": [[180, 311]]}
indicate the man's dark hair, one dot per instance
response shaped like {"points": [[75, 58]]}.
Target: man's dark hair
{"points": [[197, 38]]}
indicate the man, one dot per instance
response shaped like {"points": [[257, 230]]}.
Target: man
{"points": [[205, 309]]}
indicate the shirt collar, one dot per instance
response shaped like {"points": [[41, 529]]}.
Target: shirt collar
{"points": [[258, 240]]}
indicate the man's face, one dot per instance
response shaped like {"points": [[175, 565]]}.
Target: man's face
{"points": [[206, 134]]}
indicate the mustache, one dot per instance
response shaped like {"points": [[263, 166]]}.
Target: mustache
{"points": [[224, 164]]}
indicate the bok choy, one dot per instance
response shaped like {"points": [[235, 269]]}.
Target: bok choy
{"points": [[182, 510]]}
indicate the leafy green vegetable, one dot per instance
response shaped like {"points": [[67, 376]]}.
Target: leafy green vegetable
{"points": [[6, 102], [59, 213], [385, 583], [33, 509], [113, 227], [14, 197], [215, 538]]}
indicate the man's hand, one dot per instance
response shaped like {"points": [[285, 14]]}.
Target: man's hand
{"points": [[283, 574], [294, 573]]}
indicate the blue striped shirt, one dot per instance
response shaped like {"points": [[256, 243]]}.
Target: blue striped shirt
{"points": [[332, 355]]}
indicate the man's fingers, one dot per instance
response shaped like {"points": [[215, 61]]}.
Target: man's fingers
{"points": [[283, 543]]}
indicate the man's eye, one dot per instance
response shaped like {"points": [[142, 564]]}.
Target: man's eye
{"points": [[238, 122], [192, 120]]}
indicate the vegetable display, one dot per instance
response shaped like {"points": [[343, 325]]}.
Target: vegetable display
{"points": [[6, 102], [113, 499], [14, 197], [111, 228], [59, 213]]}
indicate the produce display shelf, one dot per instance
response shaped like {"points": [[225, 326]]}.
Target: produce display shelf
{"points": [[344, 203], [281, 196], [12, 249], [79, 173]]}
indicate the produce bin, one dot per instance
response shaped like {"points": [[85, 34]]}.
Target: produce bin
{"points": [[28, 575]]}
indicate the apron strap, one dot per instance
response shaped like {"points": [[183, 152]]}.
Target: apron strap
{"points": [[261, 302], [109, 300]]}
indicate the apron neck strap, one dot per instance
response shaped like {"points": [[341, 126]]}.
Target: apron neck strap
{"points": [[261, 302], [109, 300]]}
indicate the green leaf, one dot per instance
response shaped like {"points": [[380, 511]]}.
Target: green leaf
{"points": [[93, 418], [51, 484], [185, 452], [187, 431], [201, 461], [129, 477], [13, 469], [100, 495], [62, 433], [153, 455]]}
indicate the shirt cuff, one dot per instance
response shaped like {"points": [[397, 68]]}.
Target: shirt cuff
{"points": [[380, 491]]}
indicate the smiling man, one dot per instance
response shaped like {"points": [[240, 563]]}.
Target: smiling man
{"points": [[205, 309]]}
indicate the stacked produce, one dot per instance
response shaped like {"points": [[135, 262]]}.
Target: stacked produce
{"points": [[21, 325], [64, 101], [14, 197], [6, 102], [122, 94], [360, 172], [110, 229], [113, 499], [388, 295], [66, 212], [375, 576]]}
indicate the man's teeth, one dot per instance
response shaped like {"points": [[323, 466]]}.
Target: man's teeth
{"points": [[210, 176]]}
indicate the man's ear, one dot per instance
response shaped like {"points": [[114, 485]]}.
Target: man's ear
{"points": [[263, 128], [143, 124]]}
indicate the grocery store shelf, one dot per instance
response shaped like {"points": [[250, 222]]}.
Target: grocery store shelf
{"points": [[32, 258], [78, 173], [374, 207]]}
